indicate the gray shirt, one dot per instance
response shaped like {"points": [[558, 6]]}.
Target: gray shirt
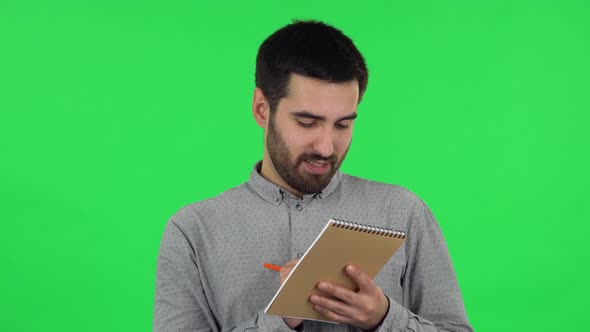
{"points": [[210, 275]]}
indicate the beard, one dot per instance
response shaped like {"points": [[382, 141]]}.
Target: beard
{"points": [[288, 167]]}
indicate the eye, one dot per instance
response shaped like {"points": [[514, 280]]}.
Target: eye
{"points": [[339, 125], [306, 124]]}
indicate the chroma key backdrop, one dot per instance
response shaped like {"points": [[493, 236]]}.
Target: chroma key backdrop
{"points": [[115, 114]]}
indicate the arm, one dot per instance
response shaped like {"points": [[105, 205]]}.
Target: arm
{"points": [[432, 301], [431, 297], [181, 304]]}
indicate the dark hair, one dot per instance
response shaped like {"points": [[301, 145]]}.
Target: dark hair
{"points": [[308, 48]]}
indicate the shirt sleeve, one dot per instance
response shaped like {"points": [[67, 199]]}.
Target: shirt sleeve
{"points": [[431, 297], [180, 302]]}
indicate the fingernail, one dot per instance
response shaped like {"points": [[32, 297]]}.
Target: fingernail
{"points": [[322, 286], [350, 268]]}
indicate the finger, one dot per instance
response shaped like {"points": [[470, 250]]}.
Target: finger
{"points": [[333, 315], [364, 282], [330, 304], [292, 262], [341, 293], [284, 273], [286, 269], [292, 322], [325, 304]]}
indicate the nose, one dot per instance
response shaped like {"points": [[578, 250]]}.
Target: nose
{"points": [[324, 144]]}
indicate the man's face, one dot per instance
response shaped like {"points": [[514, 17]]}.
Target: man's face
{"points": [[310, 132]]}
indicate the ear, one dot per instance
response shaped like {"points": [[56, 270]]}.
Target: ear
{"points": [[260, 108]]}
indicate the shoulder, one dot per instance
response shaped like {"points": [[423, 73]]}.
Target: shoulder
{"points": [[378, 191], [412, 214], [207, 209]]}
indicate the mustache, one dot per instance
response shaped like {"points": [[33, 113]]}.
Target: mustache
{"points": [[314, 156]]}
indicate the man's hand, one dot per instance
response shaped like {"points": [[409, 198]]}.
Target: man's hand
{"points": [[365, 308], [291, 322]]}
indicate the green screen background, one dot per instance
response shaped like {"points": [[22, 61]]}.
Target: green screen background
{"points": [[116, 114]]}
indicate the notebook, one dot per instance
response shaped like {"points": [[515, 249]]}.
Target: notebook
{"points": [[339, 243]]}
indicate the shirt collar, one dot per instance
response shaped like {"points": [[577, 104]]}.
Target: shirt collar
{"points": [[275, 194]]}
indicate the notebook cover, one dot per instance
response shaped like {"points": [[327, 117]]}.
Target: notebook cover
{"points": [[325, 260]]}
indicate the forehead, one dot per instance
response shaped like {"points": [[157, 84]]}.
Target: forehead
{"points": [[320, 97]]}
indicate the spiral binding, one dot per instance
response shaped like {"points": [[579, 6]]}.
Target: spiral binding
{"points": [[368, 229]]}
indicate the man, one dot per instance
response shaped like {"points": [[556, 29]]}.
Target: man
{"points": [[310, 78]]}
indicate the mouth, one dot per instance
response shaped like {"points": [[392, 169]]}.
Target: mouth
{"points": [[317, 166]]}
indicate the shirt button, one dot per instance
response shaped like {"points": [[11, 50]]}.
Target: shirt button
{"points": [[299, 255], [299, 207], [277, 199]]}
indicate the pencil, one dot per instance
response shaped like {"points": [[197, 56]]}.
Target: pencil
{"points": [[272, 266]]}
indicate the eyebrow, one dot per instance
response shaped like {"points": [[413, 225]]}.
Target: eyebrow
{"points": [[308, 115]]}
